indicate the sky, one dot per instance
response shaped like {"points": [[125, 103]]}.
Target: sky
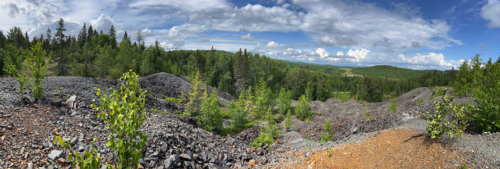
{"points": [[416, 34]]}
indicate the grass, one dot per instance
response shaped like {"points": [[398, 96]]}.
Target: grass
{"points": [[156, 111], [420, 101], [171, 99]]}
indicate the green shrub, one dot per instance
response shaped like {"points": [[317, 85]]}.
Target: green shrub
{"points": [[303, 109], [487, 99], [448, 119], [266, 136], [240, 119], [367, 115], [194, 97], [393, 107], [279, 117], [210, 115], [123, 112], [420, 101], [328, 136], [88, 160], [288, 121], [329, 152], [172, 100], [35, 64], [284, 101]]}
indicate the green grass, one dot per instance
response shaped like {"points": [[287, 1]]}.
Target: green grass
{"points": [[171, 99]]}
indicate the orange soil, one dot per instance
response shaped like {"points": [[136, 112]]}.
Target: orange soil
{"points": [[386, 150]]}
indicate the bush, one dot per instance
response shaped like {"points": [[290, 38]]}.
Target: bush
{"points": [[448, 119], [284, 101], [279, 117], [328, 136], [123, 112], [172, 100], [240, 119], [420, 101], [303, 109], [393, 107], [487, 98], [210, 115], [266, 136], [35, 64], [88, 160]]}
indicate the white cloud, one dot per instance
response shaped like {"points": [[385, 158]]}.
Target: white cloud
{"points": [[102, 23], [247, 37], [491, 12], [274, 45]]}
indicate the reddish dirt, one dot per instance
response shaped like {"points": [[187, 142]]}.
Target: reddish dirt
{"points": [[387, 149]]}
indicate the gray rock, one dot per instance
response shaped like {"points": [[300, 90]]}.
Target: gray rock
{"points": [[168, 163], [54, 154], [185, 157], [71, 102]]}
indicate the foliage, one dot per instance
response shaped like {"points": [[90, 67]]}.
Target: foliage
{"points": [[328, 136], [172, 100], [420, 101], [343, 96], [266, 136], [329, 152], [262, 101], [88, 160], [210, 115], [240, 118], [288, 121], [367, 115], [284, 101], [123, 112], [303, 109], [393, 107], [194, 97], [279, 117], [448, 119]]}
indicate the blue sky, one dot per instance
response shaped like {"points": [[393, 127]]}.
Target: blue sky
{"points": [[417, 34]]}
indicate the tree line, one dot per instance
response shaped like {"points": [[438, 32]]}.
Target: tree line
{"points": [[99, 54]]}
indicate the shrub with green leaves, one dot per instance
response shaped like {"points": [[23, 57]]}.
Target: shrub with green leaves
{"points": [[266, 135], [284, 101], [393, 107], [448, 119], [487, 98], [88, 160], [420, 101], [328, 136], [303, 109], [171, 99], [240, 119], [210, 115], [35, 63], [123, 112]]}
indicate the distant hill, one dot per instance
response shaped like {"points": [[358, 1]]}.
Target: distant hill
{"points": [[329, 69], [392, 72]]}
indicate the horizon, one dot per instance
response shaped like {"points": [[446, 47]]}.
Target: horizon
{"points": [[420, 35]]}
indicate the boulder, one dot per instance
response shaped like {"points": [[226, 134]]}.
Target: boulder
{"points": [[71, 103], [57, 103]]}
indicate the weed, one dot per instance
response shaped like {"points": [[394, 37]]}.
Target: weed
{"points": [[367, 115], [439, 122], [393, 107], [157, 111], [329, 152], [328, 136], [420, 101], [171, 99]]}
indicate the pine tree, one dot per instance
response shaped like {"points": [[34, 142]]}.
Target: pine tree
{"points": [[262, 101], [61, 37], [27, 40], [303, 109], [15, 36], [48, 40], [82, 37], [112, 31], [241, 71], [125, 37], [284, 101], [210, 114], [90, 33], [3, 40]]}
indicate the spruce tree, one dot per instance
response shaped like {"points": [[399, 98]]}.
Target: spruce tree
{"points": [[303, 109], [3, 40], [195, 96], [210, 114], [82, 37], [61, 37], [48, 40], [112, 31]]}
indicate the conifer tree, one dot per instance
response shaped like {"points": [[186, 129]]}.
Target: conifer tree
{"points": [[112, 31], [61, 37], [262, 101], [195, 96], [303, 109], [210, 114], [82, 37], [284, 101], [3, 40], [48, 40]]}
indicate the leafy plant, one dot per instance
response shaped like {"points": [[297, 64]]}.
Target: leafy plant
{"points": [[35, 64], [240, 119], [367, 115], [172, 100], [303, 109], [284, 101], [420, 101], [210, 115], [328, 136], [279, 117], [266, 136], [329, 152], [448, 119], [88, 160], [393, 107], [123, 112]]}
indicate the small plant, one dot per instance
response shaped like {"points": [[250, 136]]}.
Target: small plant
{"points": [[308, 135], [157, 111], [309, 147], [464, 166], [240, 119], [363, 104], [288, 121], [266, 136], [319, 112], [393, 107], [337, 117], [420, 101], [328, 136], [303, 109], [367, 115], [89, 160], [279, 117], [210, 115], [172, 100], [123, 113], [329, 152], [448, 119]]}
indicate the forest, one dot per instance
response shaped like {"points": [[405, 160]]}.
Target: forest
{"points": [[99, 54]]}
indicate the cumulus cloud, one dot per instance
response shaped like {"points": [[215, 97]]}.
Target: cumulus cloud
{"points": [[102, 23], [13, 10], [205, 40], [247, 37], [274, 45], [491, 12]]}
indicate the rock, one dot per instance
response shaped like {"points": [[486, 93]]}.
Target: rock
{"points": [[60, 161], [486, 133], [35, 106], [185, 157], [168, 163], [71, 102], [252, 163], [262, 160], [54, 154], [309, 153], [57, 103], [139, 166], [259, 151]]}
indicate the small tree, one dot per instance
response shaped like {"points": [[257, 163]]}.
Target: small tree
{"points": [[210, 115], [123, 112], [36, 65], [284, 101], [447, 119], [393, 107], [303, 109], [328, 136], [195, 96], [240, 119]]}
